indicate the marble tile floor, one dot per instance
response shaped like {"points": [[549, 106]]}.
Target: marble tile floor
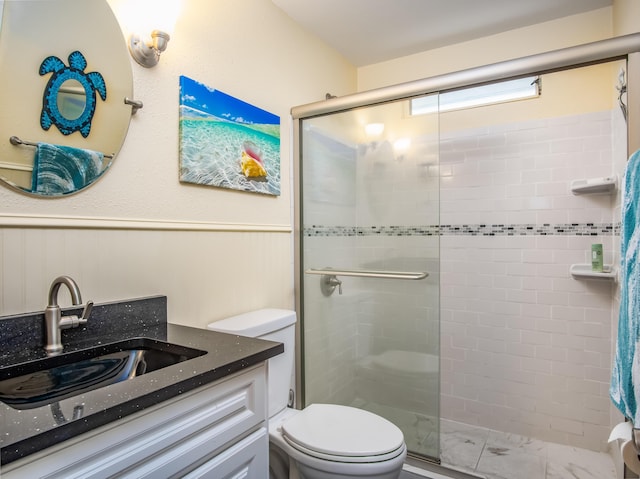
{"points": [[479, 452], [499, 455]]}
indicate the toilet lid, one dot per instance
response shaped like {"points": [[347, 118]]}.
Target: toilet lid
{"points": [[334, 430]]}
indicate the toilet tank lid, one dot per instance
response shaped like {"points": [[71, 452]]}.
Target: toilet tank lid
{"points": [[255, 323]]}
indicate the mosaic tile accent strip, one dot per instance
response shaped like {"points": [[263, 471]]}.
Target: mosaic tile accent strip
{"points": [[569, 229]]}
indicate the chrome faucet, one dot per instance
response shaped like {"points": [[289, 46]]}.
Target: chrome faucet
{"points": [[54, 322]]}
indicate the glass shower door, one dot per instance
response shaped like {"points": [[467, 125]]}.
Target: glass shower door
{"points": [[369, 246]]}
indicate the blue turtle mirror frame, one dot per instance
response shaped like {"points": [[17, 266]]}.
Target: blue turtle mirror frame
{"points": [[73, 74], [61, 74]]}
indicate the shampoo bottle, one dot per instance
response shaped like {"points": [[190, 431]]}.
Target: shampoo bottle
{"points": [[596, 258]]}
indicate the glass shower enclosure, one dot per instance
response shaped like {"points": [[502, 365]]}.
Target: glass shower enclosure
{"points": [[367, 216], [367, 256]]}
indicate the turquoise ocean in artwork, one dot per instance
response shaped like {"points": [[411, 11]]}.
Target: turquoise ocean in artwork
{"points": [[213, 129]]}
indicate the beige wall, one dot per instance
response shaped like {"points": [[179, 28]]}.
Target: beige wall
{"points": [[625, 16], [543, 37], [138, 231]]}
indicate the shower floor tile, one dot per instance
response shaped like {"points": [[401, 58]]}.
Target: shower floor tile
{"points": [[566, 461], [510, 456], [461, 445], [490, 454]]}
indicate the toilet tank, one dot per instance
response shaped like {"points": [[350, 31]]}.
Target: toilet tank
{"points": [[273, 325]]}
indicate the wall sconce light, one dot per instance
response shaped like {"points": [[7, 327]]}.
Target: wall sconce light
{"points": [[147, 53], [144, 16]]}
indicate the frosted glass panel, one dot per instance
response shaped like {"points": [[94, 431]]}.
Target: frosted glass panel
{"points": [[370, 202]]}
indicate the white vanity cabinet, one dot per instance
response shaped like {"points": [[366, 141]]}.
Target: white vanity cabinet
{"points": [[216, 431]]}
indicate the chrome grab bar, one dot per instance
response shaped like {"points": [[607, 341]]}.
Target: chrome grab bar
{"points": [[329, 280], [370, 274]]}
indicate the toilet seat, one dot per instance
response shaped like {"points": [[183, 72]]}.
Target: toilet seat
{"points": [[343, 434]]}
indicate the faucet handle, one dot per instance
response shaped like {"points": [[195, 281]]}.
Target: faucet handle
{"points": [[67, 322], [86, 312]]}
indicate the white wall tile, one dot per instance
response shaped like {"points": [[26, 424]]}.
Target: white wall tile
{"points": [[542, 320]]}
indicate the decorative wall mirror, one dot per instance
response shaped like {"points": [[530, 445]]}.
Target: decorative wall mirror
{"points": [[65, 72]]}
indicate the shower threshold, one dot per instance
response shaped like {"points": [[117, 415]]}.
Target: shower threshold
{"points": [[419, 468]]}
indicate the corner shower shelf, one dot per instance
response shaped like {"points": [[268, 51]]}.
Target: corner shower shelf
{"points": [[584, 271], [592, 186]]}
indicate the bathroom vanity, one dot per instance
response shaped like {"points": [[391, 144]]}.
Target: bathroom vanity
{"points": [[205, 416]]}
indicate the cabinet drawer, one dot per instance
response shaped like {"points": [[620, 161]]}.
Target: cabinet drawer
{"points": [[245, 459], [160, 441]]}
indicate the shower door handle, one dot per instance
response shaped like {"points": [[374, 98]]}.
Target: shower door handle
{"points": [[414, 275], [329, 277]]}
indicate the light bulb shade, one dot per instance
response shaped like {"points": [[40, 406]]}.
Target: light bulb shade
{"points": [[160, 40], [147, 53]]}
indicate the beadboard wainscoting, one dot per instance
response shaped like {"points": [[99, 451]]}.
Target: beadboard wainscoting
{"points": [[207, 271]]}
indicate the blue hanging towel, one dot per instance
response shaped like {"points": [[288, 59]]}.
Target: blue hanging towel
{"points": [[64, 169], [625, 378]]}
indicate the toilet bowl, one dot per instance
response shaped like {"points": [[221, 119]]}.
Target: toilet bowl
{"points": [[321, 441], [332, 441]]}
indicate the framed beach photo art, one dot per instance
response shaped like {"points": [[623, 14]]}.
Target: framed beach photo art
{"points": [[226, 142]]}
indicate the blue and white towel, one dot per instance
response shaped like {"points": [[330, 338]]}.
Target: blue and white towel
{"points": [[625, 378], [64, 169]]}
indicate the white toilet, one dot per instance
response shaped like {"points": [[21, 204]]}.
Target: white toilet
{"points": [[325, 441]]}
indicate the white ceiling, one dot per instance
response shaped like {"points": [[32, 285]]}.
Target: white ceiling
{"points": [[371, 31]]}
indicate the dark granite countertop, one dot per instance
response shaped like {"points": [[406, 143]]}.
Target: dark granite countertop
{"points": [[23, 432]]}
